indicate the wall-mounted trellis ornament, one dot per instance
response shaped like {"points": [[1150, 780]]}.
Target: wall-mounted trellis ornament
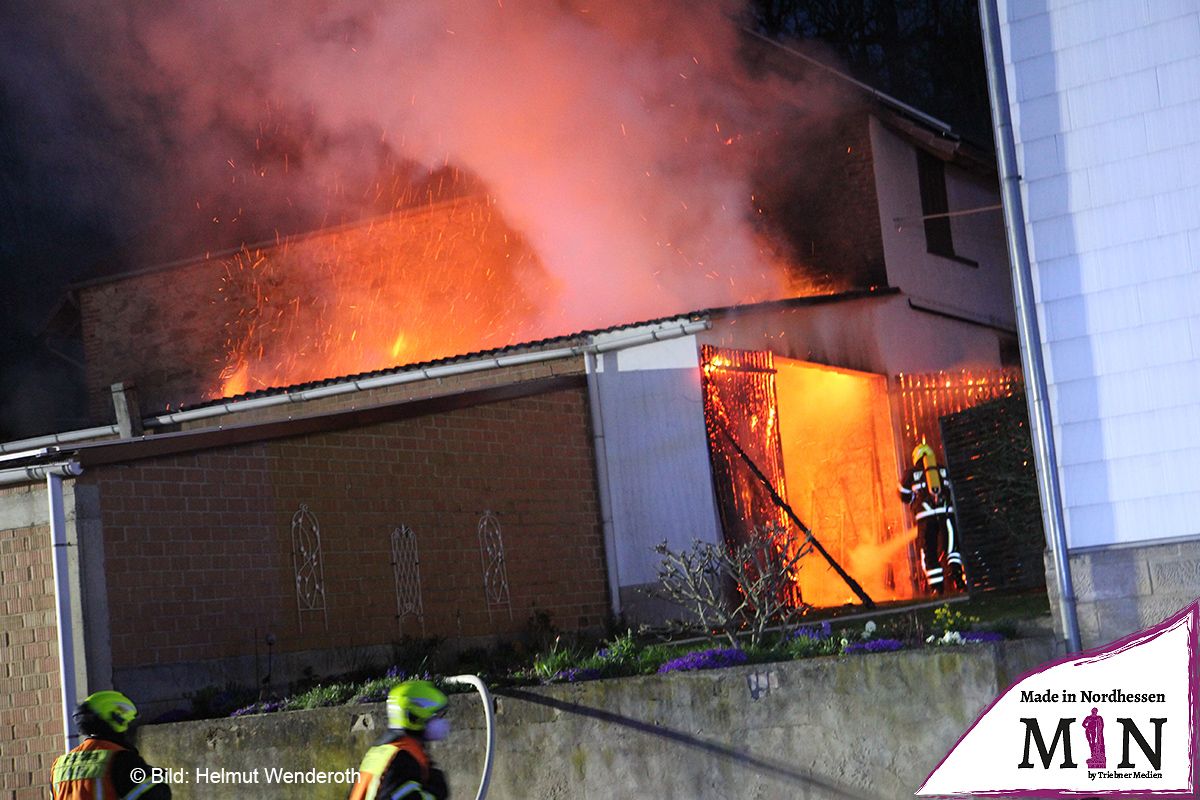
{"points": [[495, 573], [406, 570], [308, 565]]}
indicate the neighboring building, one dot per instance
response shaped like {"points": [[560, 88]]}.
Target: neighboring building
{"points": [[190, 534], [1105, 99]]}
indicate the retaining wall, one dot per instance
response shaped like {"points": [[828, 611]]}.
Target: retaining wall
{"points": [[869, 726]]}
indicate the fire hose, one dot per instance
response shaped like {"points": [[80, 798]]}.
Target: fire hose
{"points": [[490, 718]]}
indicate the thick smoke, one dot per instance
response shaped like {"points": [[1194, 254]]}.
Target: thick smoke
{"points": [[618, 138]]}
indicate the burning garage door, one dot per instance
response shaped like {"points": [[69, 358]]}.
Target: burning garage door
{"points": [[824, 439]]}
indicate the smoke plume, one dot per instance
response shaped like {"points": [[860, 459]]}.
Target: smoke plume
{"points": [[619, 139]]}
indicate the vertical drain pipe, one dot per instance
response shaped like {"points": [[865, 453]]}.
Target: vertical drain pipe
{"points": [[603, 490], [62, 596], [1036, 394], [69, 696]]}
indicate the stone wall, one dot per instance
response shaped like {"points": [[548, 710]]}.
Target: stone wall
{"points": [[1120, 590], [869, 726]]}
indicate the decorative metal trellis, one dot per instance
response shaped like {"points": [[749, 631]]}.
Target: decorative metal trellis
{"points": [[495, 573], [406, 570], [308, 565]]}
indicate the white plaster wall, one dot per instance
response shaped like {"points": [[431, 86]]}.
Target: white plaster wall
{"points": [[982, 292], [1105, 98], [657, 449]]}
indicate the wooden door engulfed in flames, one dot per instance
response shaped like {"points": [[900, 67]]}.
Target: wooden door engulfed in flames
{"points": [[825, 440], [739, 398]]}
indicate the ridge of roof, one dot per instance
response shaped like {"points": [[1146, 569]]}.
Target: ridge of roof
{"points": [[544, 343]]}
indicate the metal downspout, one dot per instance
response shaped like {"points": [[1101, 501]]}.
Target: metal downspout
{"points": [[603, 490], [62, 596], [1036, 394]]}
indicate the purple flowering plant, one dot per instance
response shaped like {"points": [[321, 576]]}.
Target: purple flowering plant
{"points": [[705, 659], [873, 646]]}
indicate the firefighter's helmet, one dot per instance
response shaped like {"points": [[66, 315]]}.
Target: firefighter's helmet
{"points": [[111, 708], [922, 456], [412, 704]]}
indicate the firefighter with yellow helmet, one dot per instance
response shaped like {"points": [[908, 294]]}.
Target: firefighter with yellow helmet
{"points": [[105, 765], [927, 491], [398, 765]]}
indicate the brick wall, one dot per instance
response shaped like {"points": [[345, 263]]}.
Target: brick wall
{"points": [[199, 552], [191, 557], [337, 302], [162, 330], [31, 724], [829, 209]]}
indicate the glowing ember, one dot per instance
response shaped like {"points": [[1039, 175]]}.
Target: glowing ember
{"points": [[829, 431], [446, 280], [739, 401], [926, 398]]}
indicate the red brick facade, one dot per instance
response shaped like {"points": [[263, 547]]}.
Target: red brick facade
{"points": [[31, 724], [199, 551]]}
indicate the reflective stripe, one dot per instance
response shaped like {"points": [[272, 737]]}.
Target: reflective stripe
{"points": [[937, 579], [932, 512], [934, 571], [140, 790], [81, 765], [406, 790], [85, 771]]}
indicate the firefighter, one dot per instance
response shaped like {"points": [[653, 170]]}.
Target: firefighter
{"points": [[927, 491], [105, 765], [397, 766]]}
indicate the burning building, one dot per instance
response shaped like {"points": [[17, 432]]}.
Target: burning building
{"points": [[389, 429]]}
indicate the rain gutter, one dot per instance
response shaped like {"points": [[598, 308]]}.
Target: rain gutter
{"points": [[425, 373], [28, 448]]}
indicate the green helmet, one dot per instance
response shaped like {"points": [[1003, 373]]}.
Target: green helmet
{"points": [[410, 705], [112, 708]]}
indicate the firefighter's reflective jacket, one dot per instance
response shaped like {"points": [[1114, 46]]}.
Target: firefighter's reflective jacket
{"points": [[398, 768], [98, 769]]}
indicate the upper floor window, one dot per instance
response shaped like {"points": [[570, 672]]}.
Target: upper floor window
{"points": [[931, 175]]}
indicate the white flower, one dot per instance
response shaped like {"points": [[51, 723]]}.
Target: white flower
{"points": [[869, 629], [947, 638]]}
